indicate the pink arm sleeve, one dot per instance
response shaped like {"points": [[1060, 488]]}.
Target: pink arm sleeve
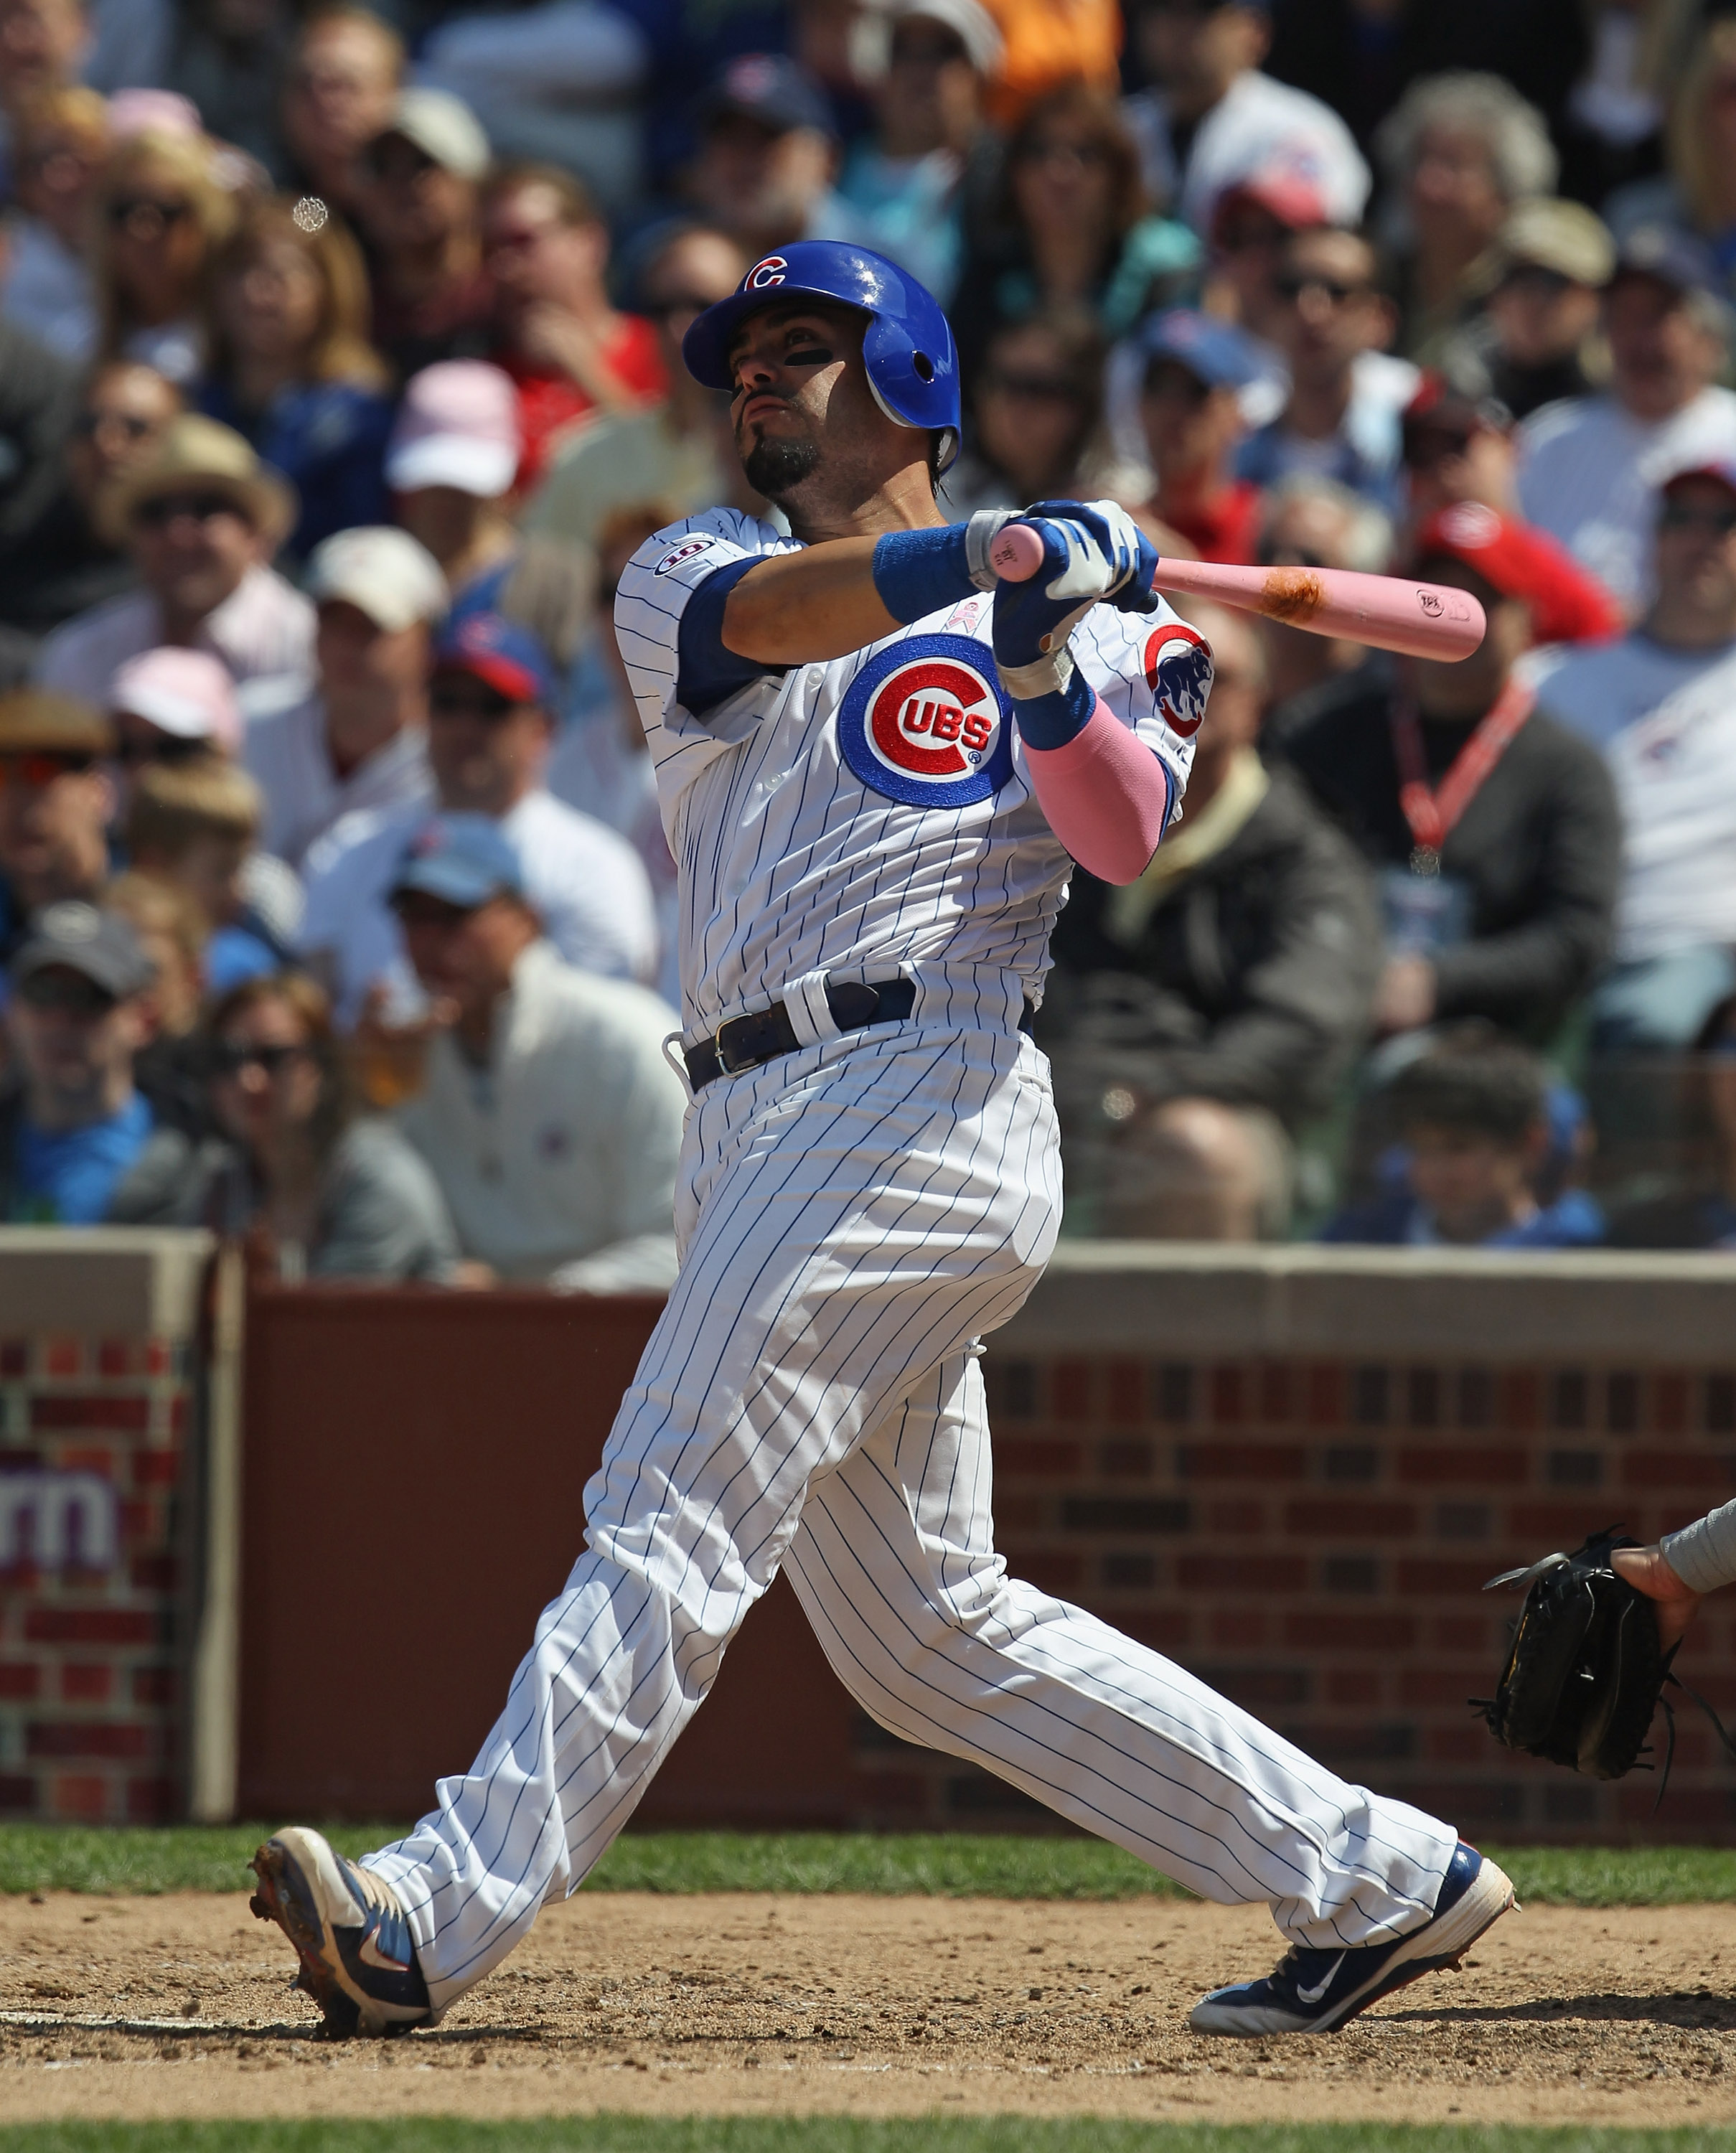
{"points": [[1107, 797]]}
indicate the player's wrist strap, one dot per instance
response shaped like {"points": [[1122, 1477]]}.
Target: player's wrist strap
{"points": [[917, 572], [1053, 699]]}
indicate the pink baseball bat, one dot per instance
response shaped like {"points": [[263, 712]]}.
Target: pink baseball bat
{"points": [[1422, 620]]}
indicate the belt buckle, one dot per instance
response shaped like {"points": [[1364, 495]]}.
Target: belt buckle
{"points": [[722, 1052]]}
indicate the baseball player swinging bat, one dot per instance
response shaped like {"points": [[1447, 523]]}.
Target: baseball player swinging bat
{"points": [[1421, 620], [877, 764]]}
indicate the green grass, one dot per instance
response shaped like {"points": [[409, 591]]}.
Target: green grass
{"points": [[197, 1858], [832, 2135]]}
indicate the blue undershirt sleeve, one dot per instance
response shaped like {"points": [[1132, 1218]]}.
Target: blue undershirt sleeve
{"points": [[706, 672]]}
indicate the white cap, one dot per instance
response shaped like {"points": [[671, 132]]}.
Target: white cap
{"points": [[971, 23], [442, 127], [385, 573]]}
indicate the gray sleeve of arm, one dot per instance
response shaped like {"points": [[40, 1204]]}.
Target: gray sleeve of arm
{"points": [[1703, 1555]]}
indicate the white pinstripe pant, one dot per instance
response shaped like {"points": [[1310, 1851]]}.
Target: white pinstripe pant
{"points": [[853, 1218]]}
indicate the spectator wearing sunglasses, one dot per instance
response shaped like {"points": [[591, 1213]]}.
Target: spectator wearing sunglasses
{"points": [[291, 368], [433, 298], [359, 741], [74, 1127], [1333, 323], [569, 353], [1535, 338], [60, 563], [1037, 408], [490, 731], [170, 706], [202, 518], [1190, 409], [1458, 452], [930, 62], [1661, 707], [549, 1115], [314, 1189], [680, 451], [1589, 467], [338, 94], [61, 142], [56, 803], [160, 215]]}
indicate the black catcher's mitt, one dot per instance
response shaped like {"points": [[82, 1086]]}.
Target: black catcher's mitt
{"points": [[1585, 1671]]}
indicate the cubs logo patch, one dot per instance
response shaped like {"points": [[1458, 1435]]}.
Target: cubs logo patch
{"points": [[926, 723], [689, 549], [1179, 672], [763, 275]]}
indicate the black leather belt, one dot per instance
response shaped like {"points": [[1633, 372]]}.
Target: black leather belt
{"points": [[744, 1042]]}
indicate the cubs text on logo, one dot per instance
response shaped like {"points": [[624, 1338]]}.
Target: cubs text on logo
{"points": [[688, 550], [925, 722], [1179, 672]]}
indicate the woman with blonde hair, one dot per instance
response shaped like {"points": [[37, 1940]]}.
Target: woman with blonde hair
{"points": [[58, 146], [1698, 194], [291, 367], [161, 212]]}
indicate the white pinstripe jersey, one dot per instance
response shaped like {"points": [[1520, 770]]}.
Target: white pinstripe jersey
{"points": [[872, 814]]}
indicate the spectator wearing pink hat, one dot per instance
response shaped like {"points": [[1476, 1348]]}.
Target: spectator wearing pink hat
{"points": [[358, 741], [450, 464], [170, 705]]}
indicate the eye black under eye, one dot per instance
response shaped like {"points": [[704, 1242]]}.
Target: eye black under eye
{"points": [[813, 354]]}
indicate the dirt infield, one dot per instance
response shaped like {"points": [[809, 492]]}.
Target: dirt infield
{"points": [[142, 2007]]}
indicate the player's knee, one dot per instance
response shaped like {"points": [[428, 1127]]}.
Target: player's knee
{"points": [[1196, 1169]]}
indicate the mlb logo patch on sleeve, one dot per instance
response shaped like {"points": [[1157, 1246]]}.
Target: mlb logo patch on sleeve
{"points": [[689, 549], [925, 722], [1179, 672]]}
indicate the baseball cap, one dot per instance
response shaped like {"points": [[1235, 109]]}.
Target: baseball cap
{"points": [[442, 127], [385, 572], [1292, 198], [1545, 233], [457, 426], [508, 657], [970, 23], [1723, 469], [463, 860], [777, 92], [1437, 407], [101, 946], [1670, 256], [186, 693], [36, 721], [1504, 551], [1214, 352]]}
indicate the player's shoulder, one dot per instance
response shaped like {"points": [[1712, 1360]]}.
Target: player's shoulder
{"points": [[688, 550]]}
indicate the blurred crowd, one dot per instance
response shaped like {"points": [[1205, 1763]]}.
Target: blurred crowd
{"points": [[340, 379]]}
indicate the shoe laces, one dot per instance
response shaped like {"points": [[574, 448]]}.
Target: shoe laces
{"points": [[379, 1896]]}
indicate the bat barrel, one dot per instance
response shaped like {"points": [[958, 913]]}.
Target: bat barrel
{"points": [[1389, 613]]}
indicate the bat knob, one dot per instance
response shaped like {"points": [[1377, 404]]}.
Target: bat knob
{"points": [[1016, 553]]}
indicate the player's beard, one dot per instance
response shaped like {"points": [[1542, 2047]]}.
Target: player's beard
{"points": [[774, 468]]}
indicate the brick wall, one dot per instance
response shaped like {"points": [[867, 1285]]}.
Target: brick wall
{"points": [[93, 1431]]}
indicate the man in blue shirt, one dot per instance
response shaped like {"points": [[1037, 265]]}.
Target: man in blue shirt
{"points": [[75, 1127]]}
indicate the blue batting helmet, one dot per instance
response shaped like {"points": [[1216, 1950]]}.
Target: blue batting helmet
{"points": [[912, 361]]}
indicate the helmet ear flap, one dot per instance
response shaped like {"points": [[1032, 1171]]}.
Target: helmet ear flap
{"points": [[908, 382]]}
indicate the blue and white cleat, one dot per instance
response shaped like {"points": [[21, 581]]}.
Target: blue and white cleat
{"points": [[1314, 1992], [350, 1932]]}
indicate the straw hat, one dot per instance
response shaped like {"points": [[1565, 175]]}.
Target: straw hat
{"points": [[194, 453]]}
